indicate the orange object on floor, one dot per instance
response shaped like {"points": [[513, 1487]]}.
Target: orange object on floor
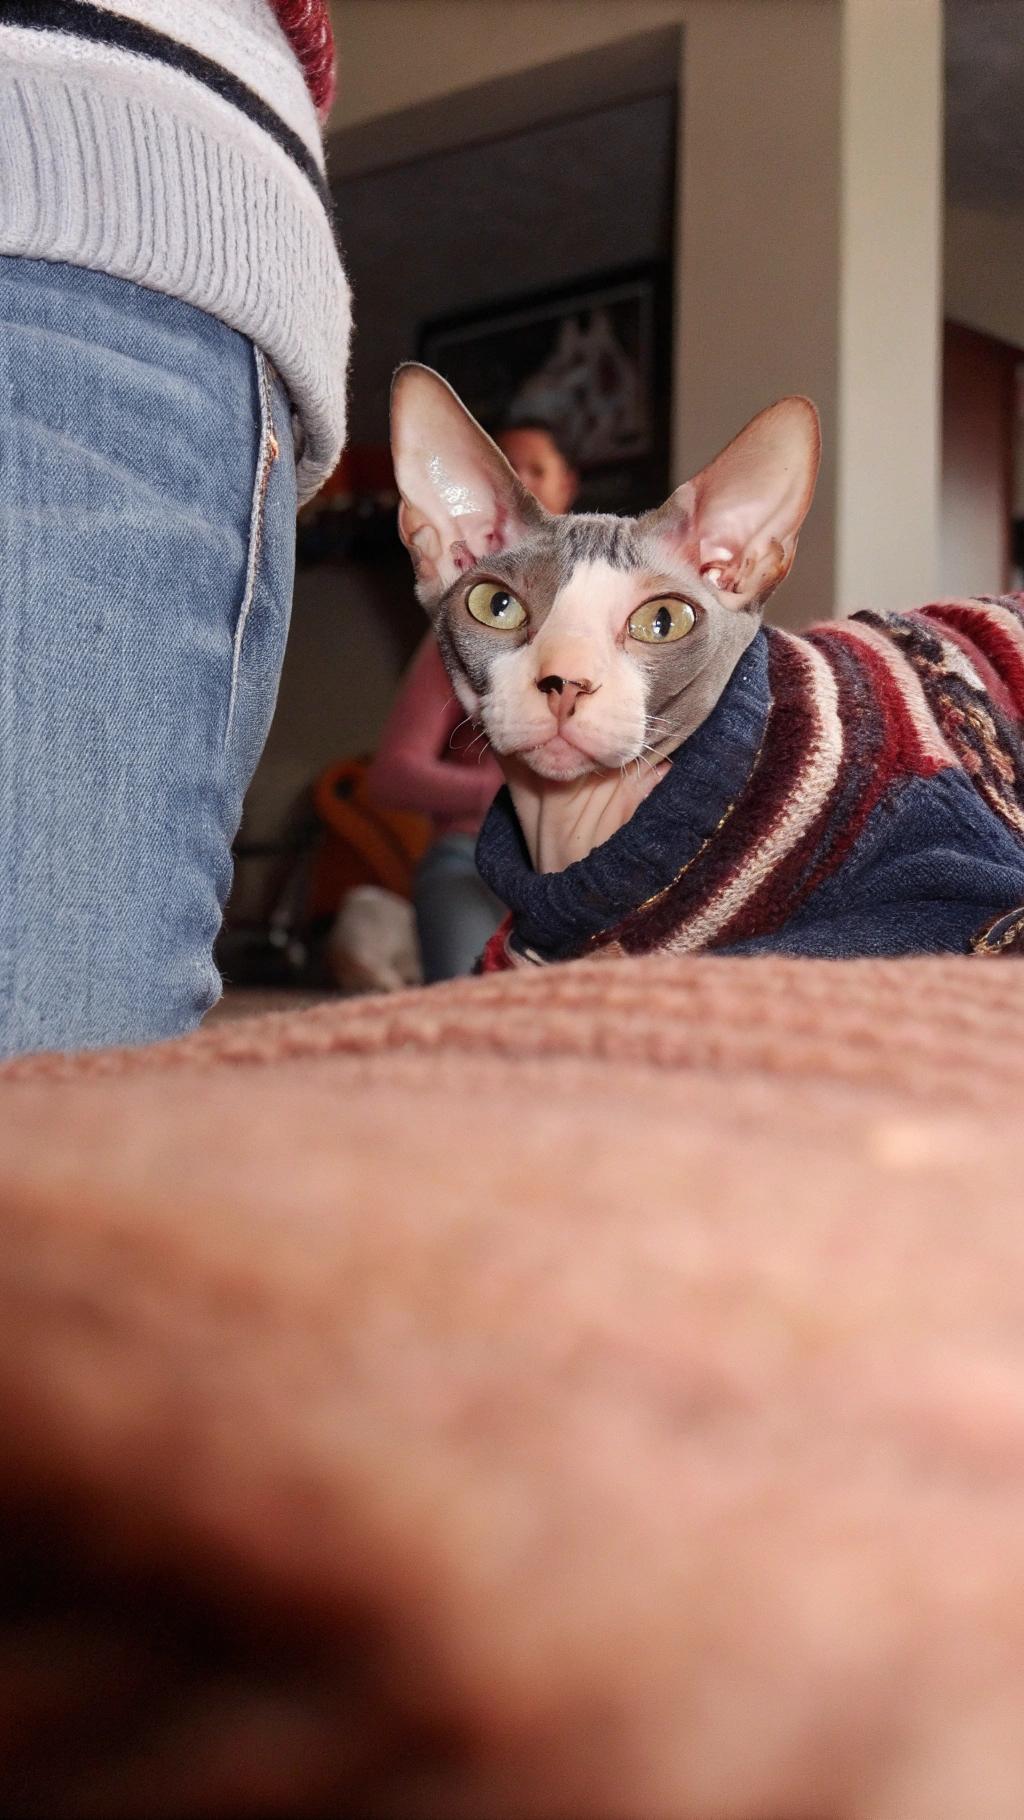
{"points": [[362, 844]]}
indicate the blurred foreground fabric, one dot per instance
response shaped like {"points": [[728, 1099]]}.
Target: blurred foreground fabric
{"points": [[591, 1392]]}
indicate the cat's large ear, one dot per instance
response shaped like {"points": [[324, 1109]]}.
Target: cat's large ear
{"points": [[738, 521], [460, 500]]}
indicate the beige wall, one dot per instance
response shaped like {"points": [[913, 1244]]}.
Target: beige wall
{"points": [[757, 237], [396, 54], [889, 448]]}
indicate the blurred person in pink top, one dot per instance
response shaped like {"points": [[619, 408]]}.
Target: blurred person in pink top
{"points": [[433, 760]]}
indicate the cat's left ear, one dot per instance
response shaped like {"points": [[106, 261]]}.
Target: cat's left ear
{"points": [[460, 499], [738, 521]]}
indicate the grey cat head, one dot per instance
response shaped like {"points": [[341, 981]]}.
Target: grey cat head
{"points": [[584, 642]]}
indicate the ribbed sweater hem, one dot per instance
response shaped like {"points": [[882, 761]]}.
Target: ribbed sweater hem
{"points": [[143, 172]]}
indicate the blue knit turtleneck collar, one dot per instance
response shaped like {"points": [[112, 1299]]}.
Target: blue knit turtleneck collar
{"points": [[556, 912]]}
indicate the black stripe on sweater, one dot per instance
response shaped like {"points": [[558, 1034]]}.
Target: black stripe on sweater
{"points": [[80, 19]]}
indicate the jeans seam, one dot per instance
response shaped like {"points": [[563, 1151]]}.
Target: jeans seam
{"points": [[268, 454]]}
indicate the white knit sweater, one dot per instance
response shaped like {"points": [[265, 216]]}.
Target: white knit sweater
{"points": [[174, 142]]}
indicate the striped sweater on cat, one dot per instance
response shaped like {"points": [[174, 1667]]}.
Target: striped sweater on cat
{"points": [[857, 790]]}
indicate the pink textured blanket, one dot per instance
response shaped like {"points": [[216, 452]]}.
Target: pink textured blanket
{"points": [[596, 1392]]}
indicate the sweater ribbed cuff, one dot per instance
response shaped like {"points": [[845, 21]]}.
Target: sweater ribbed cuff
{"points": [[144, 173]]}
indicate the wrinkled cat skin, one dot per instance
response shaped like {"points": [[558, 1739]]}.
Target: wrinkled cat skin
{"points": [[582, 712]]}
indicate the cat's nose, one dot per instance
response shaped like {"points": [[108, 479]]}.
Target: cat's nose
{"points": [[563, 692]]}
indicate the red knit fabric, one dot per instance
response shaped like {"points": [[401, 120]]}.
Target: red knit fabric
{"points": [[307, 26]]}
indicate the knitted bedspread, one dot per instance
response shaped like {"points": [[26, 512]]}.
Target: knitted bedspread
{"points": [[595, 1391]]}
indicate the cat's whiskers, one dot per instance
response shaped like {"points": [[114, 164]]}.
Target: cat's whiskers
{"points": [[662, 760], [468, 722], [465, 750], [641, 760]]}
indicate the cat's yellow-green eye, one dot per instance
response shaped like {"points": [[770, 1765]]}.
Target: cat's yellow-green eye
{"points": [[494, 606], [659, 622]]}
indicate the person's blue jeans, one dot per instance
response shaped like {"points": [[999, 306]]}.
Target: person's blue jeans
{"points": [[147, 535]]}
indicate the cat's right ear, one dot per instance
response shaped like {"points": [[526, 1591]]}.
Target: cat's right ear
{"points": [[739, 520], [460, 500]]}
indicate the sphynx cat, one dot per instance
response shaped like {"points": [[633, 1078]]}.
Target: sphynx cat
{"points": [[693, 778]]}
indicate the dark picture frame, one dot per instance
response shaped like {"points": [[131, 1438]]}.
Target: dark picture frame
{"points": [[592, 357]]}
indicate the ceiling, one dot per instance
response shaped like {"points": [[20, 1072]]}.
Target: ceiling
{"points": [[985, 103]]}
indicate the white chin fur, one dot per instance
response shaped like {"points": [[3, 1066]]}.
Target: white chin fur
{"points": [[559, 761]]}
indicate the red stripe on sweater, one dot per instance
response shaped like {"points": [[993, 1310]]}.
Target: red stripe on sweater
{"points": [[903, 743], [898, 749], [993, 652], [868, 704], [495, 957], [307, 26]]}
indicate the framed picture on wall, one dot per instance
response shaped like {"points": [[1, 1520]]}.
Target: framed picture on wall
{"points": [[592, 358]]}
